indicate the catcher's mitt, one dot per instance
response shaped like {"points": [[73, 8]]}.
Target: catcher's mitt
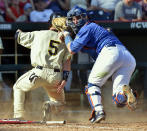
{"points": [[60, 24]]}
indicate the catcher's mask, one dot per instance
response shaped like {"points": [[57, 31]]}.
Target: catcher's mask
{"points": [[80, 14]]}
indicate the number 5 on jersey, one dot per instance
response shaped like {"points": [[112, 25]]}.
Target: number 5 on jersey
{"points": [[53, 47]]}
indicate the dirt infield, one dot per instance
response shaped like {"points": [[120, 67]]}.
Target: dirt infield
{"points": [[76, 127], [77, 114], [78, 121], [117, 119]]}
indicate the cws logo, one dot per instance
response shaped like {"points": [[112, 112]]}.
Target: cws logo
{"points": [[138, 25]]}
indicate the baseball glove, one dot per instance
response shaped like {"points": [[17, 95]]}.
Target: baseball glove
{"points": [[60, 24]]}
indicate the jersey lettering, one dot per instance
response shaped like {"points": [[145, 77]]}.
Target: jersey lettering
{"points": [[32, 77], [53, 47]]}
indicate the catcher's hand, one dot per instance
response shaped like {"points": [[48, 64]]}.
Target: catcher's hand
{"points": [[59, 24]]}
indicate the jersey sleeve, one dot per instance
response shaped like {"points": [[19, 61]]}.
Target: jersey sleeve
{"points": [[26, 39], [81, 39], [67, 55]]}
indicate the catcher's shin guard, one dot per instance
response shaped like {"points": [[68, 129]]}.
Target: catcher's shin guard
{"points": [[93, 93], [127, 98], [131, 99], [119, 99]]}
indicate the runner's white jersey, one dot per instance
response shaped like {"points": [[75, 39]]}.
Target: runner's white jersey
{"points": [[47, 49]]}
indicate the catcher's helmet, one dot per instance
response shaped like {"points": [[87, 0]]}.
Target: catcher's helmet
{"points": [[76, 11]]}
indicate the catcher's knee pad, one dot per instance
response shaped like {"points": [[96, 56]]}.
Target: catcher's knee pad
{"points": [[93, 93], [119, 99]]}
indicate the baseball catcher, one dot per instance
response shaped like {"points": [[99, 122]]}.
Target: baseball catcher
{"points": [[51, 61], [112, 59]]}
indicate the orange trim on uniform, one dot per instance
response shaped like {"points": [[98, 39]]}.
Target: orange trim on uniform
{"points": [[91, 101], [92, 114]]}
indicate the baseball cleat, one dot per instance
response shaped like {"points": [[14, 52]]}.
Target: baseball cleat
{"points": [[46, 109], [99, 116], [131, 99]]}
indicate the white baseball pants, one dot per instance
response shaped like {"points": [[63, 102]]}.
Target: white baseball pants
{"points": [[112, 61], [34, 78]]}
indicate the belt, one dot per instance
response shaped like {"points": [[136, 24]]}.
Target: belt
{"points": [[41, 67], [110, 45]]}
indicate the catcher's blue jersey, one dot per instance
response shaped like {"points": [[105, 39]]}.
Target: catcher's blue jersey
{"points": [[92, 38]]}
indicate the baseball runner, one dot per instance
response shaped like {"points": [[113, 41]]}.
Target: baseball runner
{"points": [[111, 59], [51, 61]]}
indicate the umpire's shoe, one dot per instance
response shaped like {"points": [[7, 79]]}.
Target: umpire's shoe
{"points": [[98, 117], [131, 99], [46, 110]]}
